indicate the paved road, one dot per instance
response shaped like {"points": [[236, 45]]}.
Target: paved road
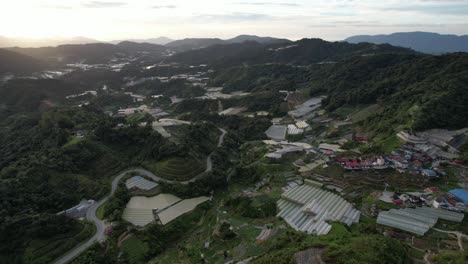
{"points": [[100, 225]]}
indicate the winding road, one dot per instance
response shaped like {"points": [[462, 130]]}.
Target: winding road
{"points": [[100, 225]]}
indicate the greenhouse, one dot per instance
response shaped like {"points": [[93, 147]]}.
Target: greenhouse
{"points": [[307, 208], [416, 220], [141, 183]]}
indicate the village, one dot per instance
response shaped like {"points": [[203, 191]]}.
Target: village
{"points": [[405, 189]]}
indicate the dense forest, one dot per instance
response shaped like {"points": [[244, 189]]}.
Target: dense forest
{"points": [[15, 62], [418, 92], [301, 52], [415, 91]]}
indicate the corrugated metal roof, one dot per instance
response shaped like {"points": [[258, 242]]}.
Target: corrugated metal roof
{"points": [[307, 208], [140, 183], [418, 220], [460, 194], [402, 222]]}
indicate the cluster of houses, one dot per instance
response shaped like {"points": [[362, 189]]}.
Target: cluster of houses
{"points": [[410, 160], [454, 200], [155, 111], [362, 163], [404, 160]]}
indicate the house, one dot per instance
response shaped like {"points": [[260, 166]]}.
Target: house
{"points": [[461, 194], [428, 173]]}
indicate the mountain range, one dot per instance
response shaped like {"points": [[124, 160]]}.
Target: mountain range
{"points": [[179, 45], [420, 41], [159, 40], [301, 52]]}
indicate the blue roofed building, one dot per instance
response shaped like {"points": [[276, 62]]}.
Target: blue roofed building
{"points": [[428, 173], [461, 194]]}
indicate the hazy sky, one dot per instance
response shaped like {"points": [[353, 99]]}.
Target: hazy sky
{"points": [[328, 19]]}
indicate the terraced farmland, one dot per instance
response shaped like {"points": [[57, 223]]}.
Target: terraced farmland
{"points": [[179, 169]]}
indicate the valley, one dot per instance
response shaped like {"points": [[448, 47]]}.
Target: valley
{"points": [[256, 151]]}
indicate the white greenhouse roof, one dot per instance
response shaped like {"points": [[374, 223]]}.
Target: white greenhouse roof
{"points": [[307, 208], [416, 220], [140, 183]]}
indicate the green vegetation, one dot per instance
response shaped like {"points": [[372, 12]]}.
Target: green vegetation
{"points": [[261, 206], [43, 248], [450, 257], [46, 168], [302, 52], [100, 211], [116, 204], [179, 169], [413, 94], [259, 78], [340, 247], [29, 95], [389, 144], [177, 88], [134, 250]]}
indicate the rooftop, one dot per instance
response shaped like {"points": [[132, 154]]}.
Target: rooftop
{"points": [[461, 194], [307, 208]]}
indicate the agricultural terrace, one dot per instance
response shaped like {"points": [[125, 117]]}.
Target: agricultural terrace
{"points": [[178, 169]]}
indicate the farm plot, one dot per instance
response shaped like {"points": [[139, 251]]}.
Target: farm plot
{"points": [[179, 169]]}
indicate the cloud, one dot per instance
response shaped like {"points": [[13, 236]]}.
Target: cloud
{"points": [[232, 17], [267, 4], [164, 6], [446, 9], [102, 4]]}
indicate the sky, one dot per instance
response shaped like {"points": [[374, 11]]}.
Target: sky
{"points": [[294, 19]]}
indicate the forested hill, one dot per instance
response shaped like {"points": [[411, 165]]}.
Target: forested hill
{"points": [[420, 92], [302, 52], [198, 43], [412, 90], [30, 95], [17, 63], [93, 53]]}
